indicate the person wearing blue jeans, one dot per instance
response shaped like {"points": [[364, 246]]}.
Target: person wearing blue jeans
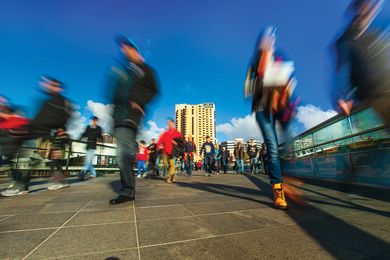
{"points": [[93, 133], [266, 122], [270, 102], [141, 165], [208, 149], [239, 154], [88, 163]]}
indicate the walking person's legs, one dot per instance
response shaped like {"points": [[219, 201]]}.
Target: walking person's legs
{"points": [[267, 126], [126, 151]]}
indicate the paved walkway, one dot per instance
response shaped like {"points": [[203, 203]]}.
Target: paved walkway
{"points": [[218, 217]]}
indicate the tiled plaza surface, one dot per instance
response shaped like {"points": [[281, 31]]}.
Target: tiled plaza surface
{"points": [[219, 217]]}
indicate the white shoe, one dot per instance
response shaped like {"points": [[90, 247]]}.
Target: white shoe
{"points": [[57, 186], [13, 192], [138, 176]]}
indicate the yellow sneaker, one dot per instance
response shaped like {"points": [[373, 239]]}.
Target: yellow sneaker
{"points": [[279, 199]]}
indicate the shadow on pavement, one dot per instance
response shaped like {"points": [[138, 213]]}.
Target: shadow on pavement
{"points": [[332, 232]]}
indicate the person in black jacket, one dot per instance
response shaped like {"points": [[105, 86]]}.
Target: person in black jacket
{"points": [[152, 150], [362, 61], [208, 150], [224, 155], [53, 114], [135, 86], [93, 133], [252, 151]]}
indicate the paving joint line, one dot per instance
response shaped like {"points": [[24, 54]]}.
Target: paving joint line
{"points": [[44, 241], [125, 222], [136, 231]]}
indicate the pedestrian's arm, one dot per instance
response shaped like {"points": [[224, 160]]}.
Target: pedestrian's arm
{"points": [[201, 150], [342, 94]]}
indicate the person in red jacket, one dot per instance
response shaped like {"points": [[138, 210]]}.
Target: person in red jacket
{"points": [[166, 143]]}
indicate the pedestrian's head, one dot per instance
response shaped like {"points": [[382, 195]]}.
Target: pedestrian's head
{"points": [[251, 141], [171, 123], [239, 144], [60, 131], [130, 50], [223, 148], [51, 85], [208, 138], [189, 138], [153, 140], [94, 120], [142, 142]]}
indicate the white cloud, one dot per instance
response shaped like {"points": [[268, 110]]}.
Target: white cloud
{"points": [[311, 115], [76, 125], [104, 113], [245, 127], [150, 131]]}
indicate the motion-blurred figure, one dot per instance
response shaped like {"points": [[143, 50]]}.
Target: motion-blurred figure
{"points": [[208, 150], [53, 114], [189, 154], [152, 150], [168, 144], [239, 154], [252, 152], [271, 83], [135, 86], [59, 142], [92, 133], [363, 61]]}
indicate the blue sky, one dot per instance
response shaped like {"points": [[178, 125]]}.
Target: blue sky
{"points": [[200, 49]]}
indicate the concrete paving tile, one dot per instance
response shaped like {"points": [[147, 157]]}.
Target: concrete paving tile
{"points": [[370, 220], [203, 199], [290, 243], [34, 221], [103, 205], [57, 207], [213, 248], [218, 207], [16, 209], [161, 212], [156, 202], [126, 254], [163, 231], [17, 245], [102, 217], [84, 240], [236, 222], [366, 239]]}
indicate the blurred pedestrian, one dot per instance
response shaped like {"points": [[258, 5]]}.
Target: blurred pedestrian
{"points": [[167, 142], [239, 155], [271, 101], [135, 86], [142, 157], [189, 154], [93, 133], [53, 114], [362, 61], [208, 150], [252, 152]]}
